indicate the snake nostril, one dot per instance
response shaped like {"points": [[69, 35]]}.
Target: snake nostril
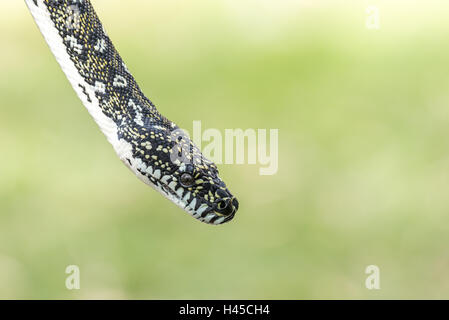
{"points": [[221, 205], [225, 207]]}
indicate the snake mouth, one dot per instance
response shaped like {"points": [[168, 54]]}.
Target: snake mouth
{"points": [[197, 209], [210, 213], [217, 215], [230, 217], [213, 217], [167, 189], [223, 217]]}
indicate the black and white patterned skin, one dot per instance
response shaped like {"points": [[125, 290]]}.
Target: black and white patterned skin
{"points": [[152, 146]]}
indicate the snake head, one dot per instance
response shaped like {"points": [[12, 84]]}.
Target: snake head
{"points": [[204, 194], [173, 165]]}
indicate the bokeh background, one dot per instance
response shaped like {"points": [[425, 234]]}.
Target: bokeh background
{"points": [[363, 119]]}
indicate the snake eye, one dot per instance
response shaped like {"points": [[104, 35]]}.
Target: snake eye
{"points": [[187, 180]]}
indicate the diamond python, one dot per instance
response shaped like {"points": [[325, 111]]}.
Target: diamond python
{"points": [[153, 147]]}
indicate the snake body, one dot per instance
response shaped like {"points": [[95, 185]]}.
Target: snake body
{"points": [[153, 147]]}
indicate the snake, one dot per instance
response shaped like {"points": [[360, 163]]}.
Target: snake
{"points": [[154, 148]]}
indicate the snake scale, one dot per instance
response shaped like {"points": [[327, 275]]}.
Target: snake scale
{"points": [[153, 147]]}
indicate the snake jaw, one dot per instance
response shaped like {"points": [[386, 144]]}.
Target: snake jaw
{"points": [[197, 206]]}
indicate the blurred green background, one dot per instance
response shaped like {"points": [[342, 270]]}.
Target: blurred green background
{"points": [[363, 119]]}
